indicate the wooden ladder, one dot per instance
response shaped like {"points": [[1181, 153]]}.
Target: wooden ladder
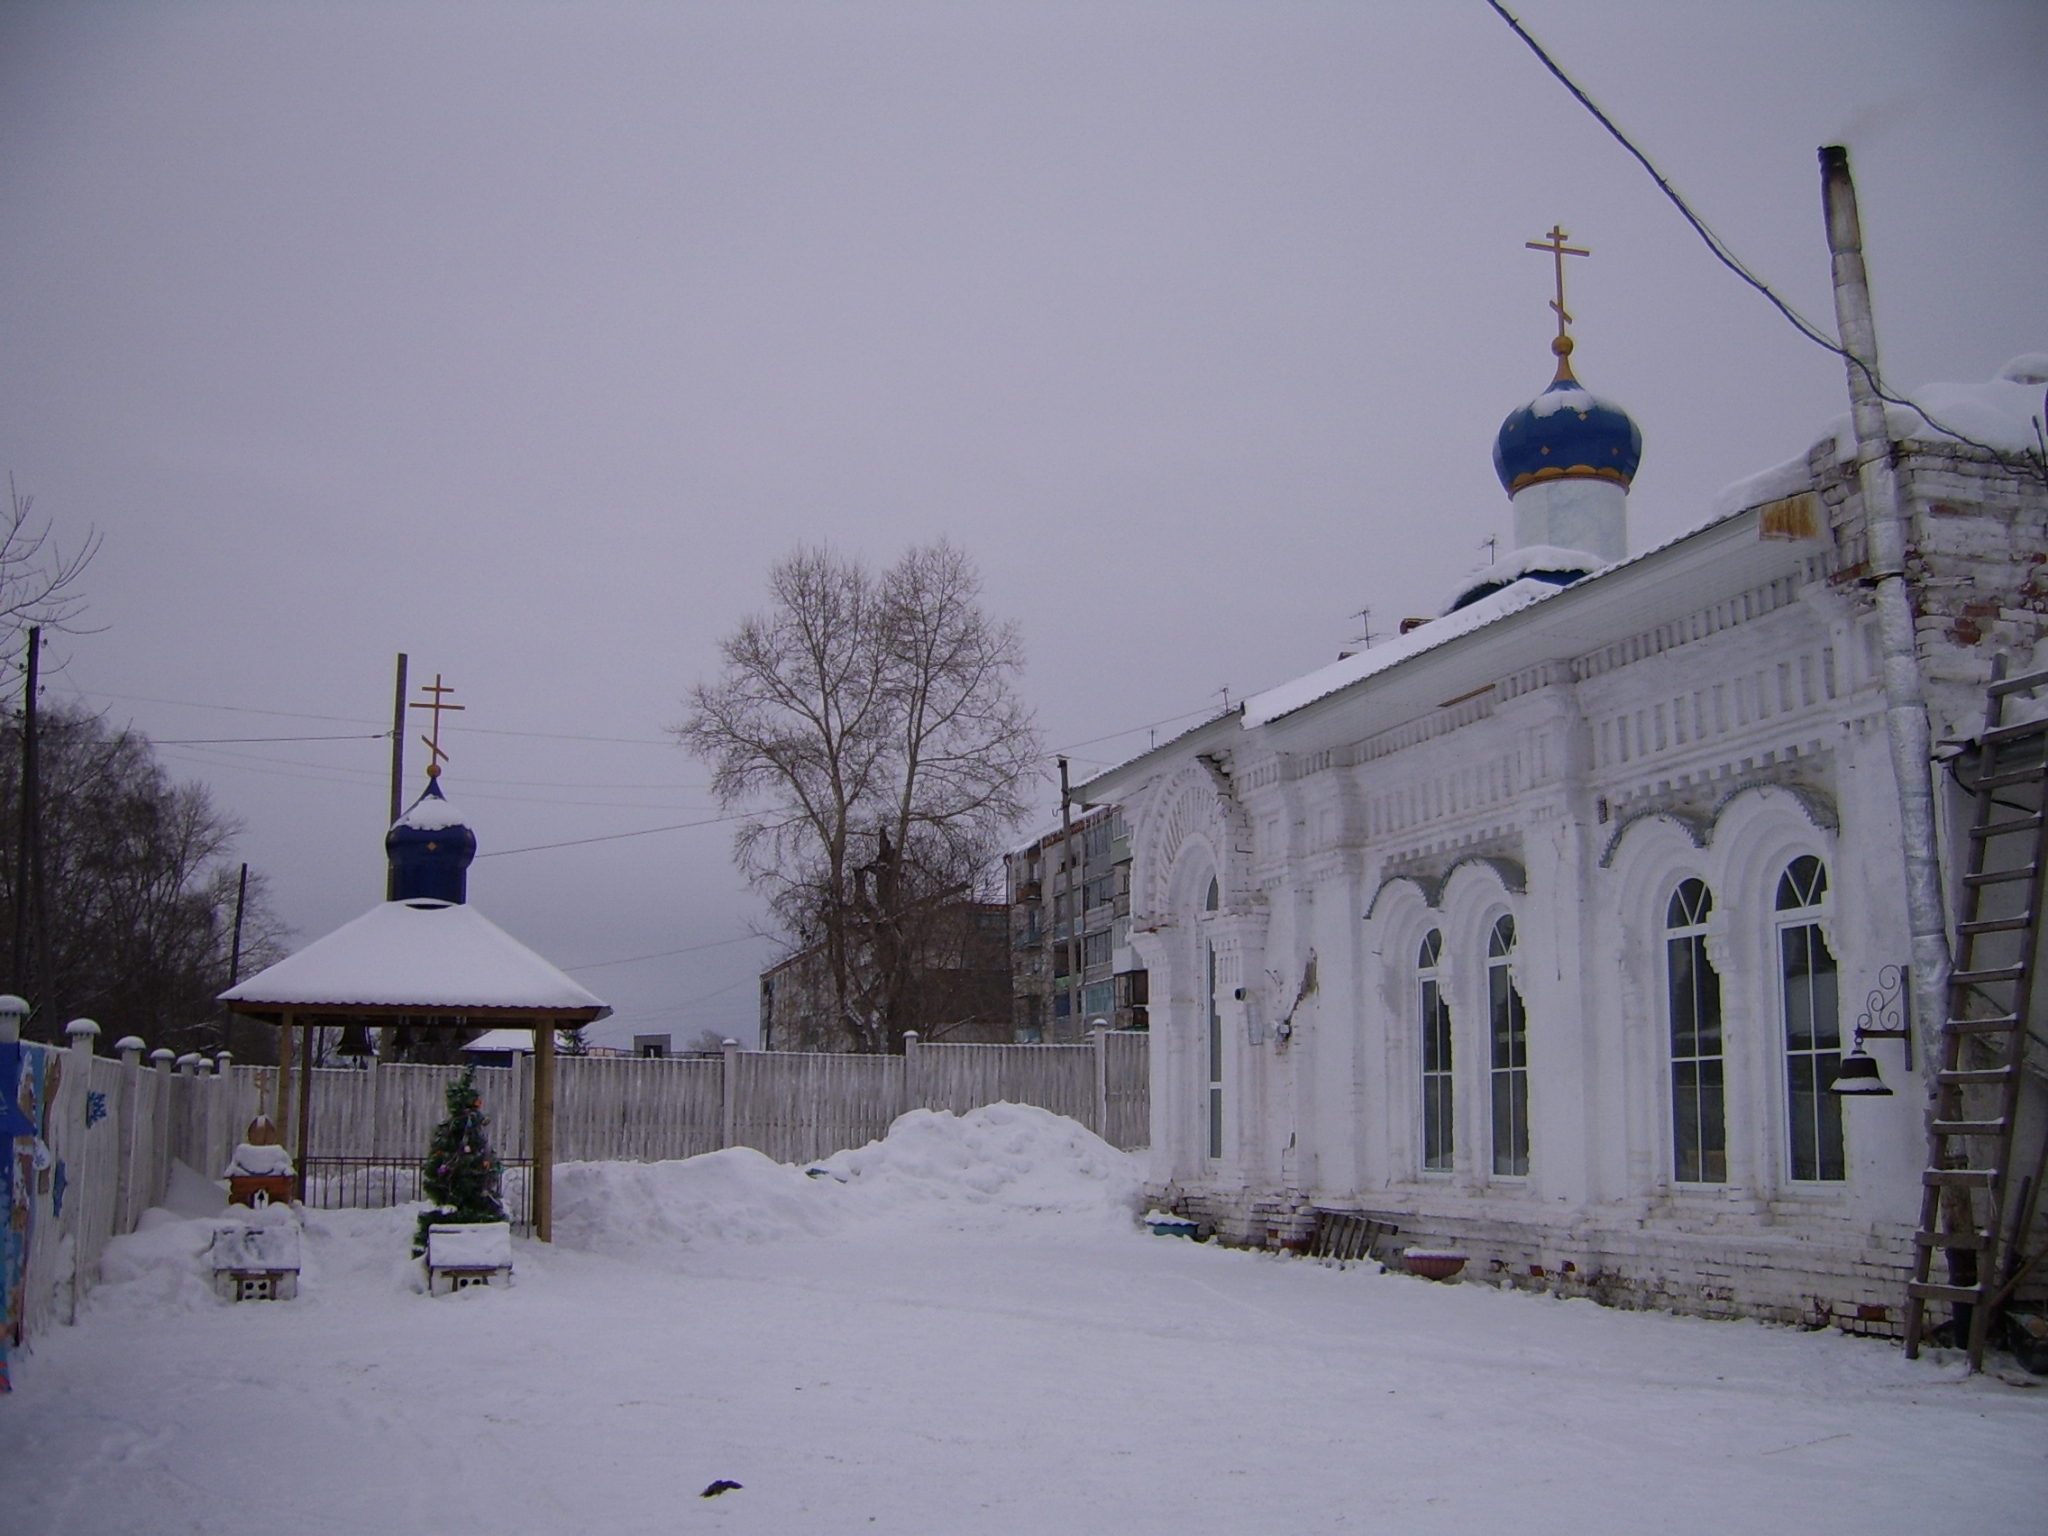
{"points": [[1969, 1209]]}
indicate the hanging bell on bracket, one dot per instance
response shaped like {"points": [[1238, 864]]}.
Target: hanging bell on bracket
{"points": [[1859, 1077], [355, 1041]]}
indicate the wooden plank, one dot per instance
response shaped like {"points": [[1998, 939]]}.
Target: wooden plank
{"points": [[543, 1175]]}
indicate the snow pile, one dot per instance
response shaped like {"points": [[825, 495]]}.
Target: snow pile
{"points": [[1009, 1158], [734, 1196], [985, 1168], [160, 1267]]}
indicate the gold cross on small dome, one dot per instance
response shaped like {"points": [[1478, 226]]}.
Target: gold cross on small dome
{"points": [[1554, 243], [437, 705]]}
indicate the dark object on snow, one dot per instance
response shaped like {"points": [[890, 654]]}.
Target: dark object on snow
{"points": [[2027, 1334], [461, 1173], [723, 1485]]}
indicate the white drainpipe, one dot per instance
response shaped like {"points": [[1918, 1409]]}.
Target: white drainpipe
{"points": [[1905, 713]]}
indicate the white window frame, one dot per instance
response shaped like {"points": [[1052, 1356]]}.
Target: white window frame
{"points": [[1510, 1076], [1438, 1085]]}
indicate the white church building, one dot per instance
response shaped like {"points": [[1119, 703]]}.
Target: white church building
{"points": [[1539, 932]]}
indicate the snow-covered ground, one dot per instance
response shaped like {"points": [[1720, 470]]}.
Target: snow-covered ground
{"points": [[958, 1330]]}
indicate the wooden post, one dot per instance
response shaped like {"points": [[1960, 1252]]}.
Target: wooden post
{"points": [[520, 1107], [125, 1207], [913, 1085], [305, 1100], [728, 1094], [543, 1174], [282, 1108]]}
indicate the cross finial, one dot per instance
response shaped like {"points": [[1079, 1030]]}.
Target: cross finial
{"points": [[433, 742], [1554, 243]]}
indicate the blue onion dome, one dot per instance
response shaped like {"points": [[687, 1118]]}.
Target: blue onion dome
{"points": [[429, 849], [1567, 433]]}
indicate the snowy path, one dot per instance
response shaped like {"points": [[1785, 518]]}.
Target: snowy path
{"points": [[1030, 1373]]}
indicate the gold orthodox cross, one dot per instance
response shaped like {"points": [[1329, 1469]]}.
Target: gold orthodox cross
{"points": [[433, 742], [1554, 243]]}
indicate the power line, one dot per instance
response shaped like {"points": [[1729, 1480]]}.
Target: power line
{"points": [[332, 773], [474, 730], [232, 709], [230, 741], [1150, 725], [1734, 263], [609, 837], [663, 954]]}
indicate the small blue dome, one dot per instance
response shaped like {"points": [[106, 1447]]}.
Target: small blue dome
{"points": [[429, 849], [1566, 433]]}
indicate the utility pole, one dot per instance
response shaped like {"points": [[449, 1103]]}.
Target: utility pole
{"points": [[1073, 900], [227, 1018], [235, 948], [24, 857], [397, 774]]}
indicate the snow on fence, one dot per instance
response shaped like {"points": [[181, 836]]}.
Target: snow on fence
{"points": [[115, 1129]]}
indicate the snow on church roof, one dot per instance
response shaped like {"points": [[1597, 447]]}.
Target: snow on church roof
{"points": [[2004, 413], [2001, 413], [433, 956], [1263, 708]]}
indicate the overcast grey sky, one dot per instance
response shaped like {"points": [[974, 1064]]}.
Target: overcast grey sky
{"points": [[523, 338]]}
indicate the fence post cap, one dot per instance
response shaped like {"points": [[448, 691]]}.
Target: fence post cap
{"points": [[78, 1027], [12, 1011], [131, 1048], [222, 1061], [162, 1057]]}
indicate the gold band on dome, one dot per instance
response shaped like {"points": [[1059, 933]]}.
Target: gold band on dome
{"points": [[1570, 472]]}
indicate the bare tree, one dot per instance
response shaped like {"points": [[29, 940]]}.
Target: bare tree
{"points": [[867, 727], [139, 887], [39, 582]]}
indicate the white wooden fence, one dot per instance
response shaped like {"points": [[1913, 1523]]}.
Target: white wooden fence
{"points": [[114, 1129]]}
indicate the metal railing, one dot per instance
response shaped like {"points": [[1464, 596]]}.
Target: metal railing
{"points": [[375, 1183]]}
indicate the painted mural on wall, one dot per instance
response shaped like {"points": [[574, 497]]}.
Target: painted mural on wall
{"points": [[28, 1077]]}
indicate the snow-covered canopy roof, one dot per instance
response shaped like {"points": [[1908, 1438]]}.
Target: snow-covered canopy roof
{"points": [[416, 957]]}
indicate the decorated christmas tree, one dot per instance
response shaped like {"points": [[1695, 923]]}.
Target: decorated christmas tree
{"points": [[461, 1173]]}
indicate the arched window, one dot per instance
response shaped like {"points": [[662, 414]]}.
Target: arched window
{"points": [[1699, 1134], [1436, 1056], [1813, 1030], [1509, 1028], [1215, 1104], [1214, 899]]}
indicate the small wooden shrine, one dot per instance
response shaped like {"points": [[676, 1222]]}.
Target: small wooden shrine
{"points": [[423, 959]]}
